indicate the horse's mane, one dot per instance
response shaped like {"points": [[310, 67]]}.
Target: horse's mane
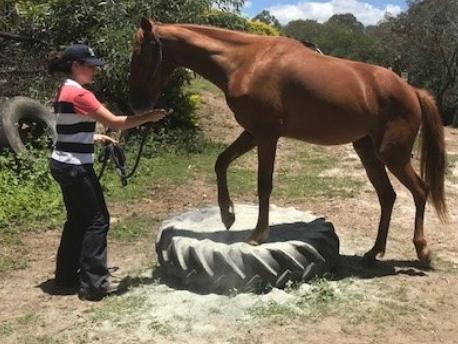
{"points": [[230, 36]]}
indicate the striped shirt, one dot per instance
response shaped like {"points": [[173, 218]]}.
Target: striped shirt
{"points": [[75, 130]]}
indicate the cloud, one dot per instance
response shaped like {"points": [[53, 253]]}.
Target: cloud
{"points": [[248, 4], [322, 11]]}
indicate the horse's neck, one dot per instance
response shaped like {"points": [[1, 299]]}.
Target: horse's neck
{"points": [[212, 53]]}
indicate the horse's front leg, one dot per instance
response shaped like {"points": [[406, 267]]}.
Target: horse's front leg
{"points": [[266, 160], [244, 143]]}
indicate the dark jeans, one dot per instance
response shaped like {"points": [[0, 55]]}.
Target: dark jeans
{"points": [[83, 246]]}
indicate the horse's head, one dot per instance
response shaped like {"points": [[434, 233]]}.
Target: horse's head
{"points": [[149, 69]]}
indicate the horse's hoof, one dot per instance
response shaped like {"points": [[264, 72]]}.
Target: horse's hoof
{"points": [[425, 259], [257, 239], [370, 257], [228, 219]]}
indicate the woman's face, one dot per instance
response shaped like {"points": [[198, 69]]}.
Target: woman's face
{"points": [[83, 72]]}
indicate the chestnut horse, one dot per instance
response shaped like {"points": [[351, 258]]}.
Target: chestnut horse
{"points": [[276, 88]]}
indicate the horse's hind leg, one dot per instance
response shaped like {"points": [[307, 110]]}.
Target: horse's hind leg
{"points": [[376, 172], [395, 150], [410, 179], [266, 160], [244, 143]]}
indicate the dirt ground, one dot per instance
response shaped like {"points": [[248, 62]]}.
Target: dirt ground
{"points": [[395, 301]]}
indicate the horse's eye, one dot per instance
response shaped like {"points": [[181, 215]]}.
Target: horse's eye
{"points": [[150, 42]]}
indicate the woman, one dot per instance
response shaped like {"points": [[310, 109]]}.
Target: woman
{"points": [[82, 255]]}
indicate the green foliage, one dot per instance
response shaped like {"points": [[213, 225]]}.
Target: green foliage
{"points": [[342, 36], [303, 30], [28, 191], [427, 37], [134, 227], [224, 19], [267, 18], [261, 28]]}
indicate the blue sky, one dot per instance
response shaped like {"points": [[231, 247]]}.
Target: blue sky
{"points": [[367, 11]]}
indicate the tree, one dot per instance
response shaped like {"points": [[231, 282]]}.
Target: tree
{"points": [[342, 35], [303, 30], [427, 36], [267, 18], [346, 20], [261, 28]]}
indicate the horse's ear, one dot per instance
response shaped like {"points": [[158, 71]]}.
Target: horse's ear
{"points": [[146, 25]]}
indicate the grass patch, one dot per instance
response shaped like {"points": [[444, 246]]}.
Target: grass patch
{"points": [[277, 313], [6, 329], [442, 264], [199, 85], [29, 193], [319, 300], [163, 170], [13, 254], [45, 339], [160, 328], [118, 309], [353, 303], [133, 227], [322, 299], [307, 180], [27, 321], [304, 179], [13, 261], [452, 160]]}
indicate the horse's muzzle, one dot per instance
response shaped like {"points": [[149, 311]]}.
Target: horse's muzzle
{"points": [[140, 102]]}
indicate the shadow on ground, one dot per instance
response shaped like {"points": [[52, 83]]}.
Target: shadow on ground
{"points": [[358, 267]]}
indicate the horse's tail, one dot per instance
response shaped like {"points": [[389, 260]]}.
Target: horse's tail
{"points": [[433, 158]]}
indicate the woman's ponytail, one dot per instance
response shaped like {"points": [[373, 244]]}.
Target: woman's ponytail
{"points": [[58, 65]]}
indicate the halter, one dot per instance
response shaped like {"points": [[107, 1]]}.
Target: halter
{"points": [[159, 55]]}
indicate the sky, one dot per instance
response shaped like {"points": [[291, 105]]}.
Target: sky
{"points": [[368, 12]]}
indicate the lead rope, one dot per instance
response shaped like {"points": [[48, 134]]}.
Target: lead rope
{"points": [[115, 152]]}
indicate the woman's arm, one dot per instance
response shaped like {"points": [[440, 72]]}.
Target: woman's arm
{"points": [[110, 120]]}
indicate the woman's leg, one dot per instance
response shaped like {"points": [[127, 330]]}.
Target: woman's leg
{"points": [[68, 254], [94, 272]]}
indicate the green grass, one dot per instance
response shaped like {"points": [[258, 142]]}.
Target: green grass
{"points": [[199, 84], [322, 299], [13, 261], [133, 227], [45, 339], [160, 328], [6, 329], [372, 302], [452, 160], [26, 321], [163, 170], [304, 180], [117, 309]]}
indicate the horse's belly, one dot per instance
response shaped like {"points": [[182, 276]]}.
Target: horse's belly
{"points": [[328, 129]]}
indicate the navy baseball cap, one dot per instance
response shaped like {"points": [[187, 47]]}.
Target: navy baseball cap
{"points": [[81, 52]]}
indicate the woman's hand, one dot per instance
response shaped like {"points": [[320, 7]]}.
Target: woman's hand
{"points": [[99, 138], [158, 114], [109, 120]]}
